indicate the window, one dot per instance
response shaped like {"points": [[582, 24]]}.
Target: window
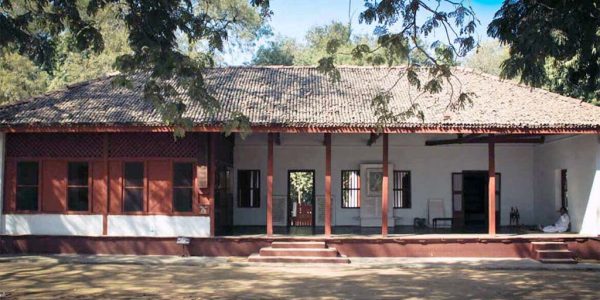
{"points": [[133, 198], [564, 199], [402, 189], [27, 185], [351, 189], [183, 186], [77, 186], [248, 188]]}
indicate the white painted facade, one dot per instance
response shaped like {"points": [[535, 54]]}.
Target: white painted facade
{"points": [[527, 174], [53, 224], [158, 226]]}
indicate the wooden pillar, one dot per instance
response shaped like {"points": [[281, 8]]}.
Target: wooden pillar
{"points": [[327, 184], [491, 189], [212, 173], [107, 178], [384, 188], [270, 185]]}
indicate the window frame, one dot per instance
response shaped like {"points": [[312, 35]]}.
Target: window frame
{"points": [[402, 189], [38, 186], [251, 189], [342, 189], [192, 187], [88, 186], [144, 188]]}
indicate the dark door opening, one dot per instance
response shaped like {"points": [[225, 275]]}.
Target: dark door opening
{"points": [[301, 201], [470, 201], [475, 199]]}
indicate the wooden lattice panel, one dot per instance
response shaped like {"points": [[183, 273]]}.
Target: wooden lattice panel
{"points": [[141, 145], [76, 145]]}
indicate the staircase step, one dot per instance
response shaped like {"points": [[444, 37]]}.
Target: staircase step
{"points": [[549, 246], [553, 254], [298, 259], [312, 252], [307, 244], [558, 261]]}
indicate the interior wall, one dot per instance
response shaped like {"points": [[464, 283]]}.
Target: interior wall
{"points": [[580, 156], [431, 169]]}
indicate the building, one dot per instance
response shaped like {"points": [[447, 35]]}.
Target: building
{"points": [[91, 169]]}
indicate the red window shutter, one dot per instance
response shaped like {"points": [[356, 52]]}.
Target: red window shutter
{"points": [[116, 187], [99, 187], [10, 186], [54, 186], [160, 186]]}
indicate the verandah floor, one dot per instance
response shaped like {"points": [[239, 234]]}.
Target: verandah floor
{"points": [[394, 232]]}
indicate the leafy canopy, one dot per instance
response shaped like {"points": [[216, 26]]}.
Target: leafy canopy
{"points": [[553, 43]]}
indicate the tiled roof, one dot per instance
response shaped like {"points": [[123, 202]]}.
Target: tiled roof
{"points": [[303, 97]]}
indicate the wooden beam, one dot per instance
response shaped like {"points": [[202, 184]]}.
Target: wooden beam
{"points": [[327, 137], [384, 188], [270, 185], [492, 189], [373, 138], [478, 139]]}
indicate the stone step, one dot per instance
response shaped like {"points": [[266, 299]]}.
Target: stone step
{"points": [[307, 244], [553, 254], [549, 246], [558, 261], [298, 259], [312, 252]]}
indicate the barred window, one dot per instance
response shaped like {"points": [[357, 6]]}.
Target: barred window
{"points": [[78, 186], [350, 189], [27, 185], [248, 188], [402, 197], [183, 186], [133, 199]]}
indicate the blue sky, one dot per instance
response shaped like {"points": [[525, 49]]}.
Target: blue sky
{"points": [[292, 18]]}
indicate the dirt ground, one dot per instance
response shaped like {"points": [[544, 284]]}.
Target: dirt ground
{"points": [[31, 280]]}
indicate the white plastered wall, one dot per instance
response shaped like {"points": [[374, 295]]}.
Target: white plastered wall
{"points": [[53, 224], [158, 226], [430, 167], [580, 156]]}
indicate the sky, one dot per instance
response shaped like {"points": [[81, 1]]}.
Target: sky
{"points": [[292, 18]]}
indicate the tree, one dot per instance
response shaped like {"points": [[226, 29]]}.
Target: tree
{"points": [[33, 28], [552, 43], [20, 78], [488, 58], [279, 52]]}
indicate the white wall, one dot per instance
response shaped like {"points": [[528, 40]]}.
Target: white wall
{"points": [[53, 224], [430, 167], [580, 156], [158, 226]]}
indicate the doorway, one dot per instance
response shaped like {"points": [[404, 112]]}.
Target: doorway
{"points": [[470, 200], [301, 201]]}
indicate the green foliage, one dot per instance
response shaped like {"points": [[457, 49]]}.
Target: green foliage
{"points": [[20, 78], [68, 38], [488, 58], [553, 44], [302, 185], [279, 52]]}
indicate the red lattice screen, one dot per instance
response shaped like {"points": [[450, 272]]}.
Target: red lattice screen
{"points": [[130, 145], [78, 145]]}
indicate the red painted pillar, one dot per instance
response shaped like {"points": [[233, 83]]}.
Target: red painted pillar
{"points": [[327, 184], [212, 173], [107, 178], [270, 185], [492, 189], [384, 188]]}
